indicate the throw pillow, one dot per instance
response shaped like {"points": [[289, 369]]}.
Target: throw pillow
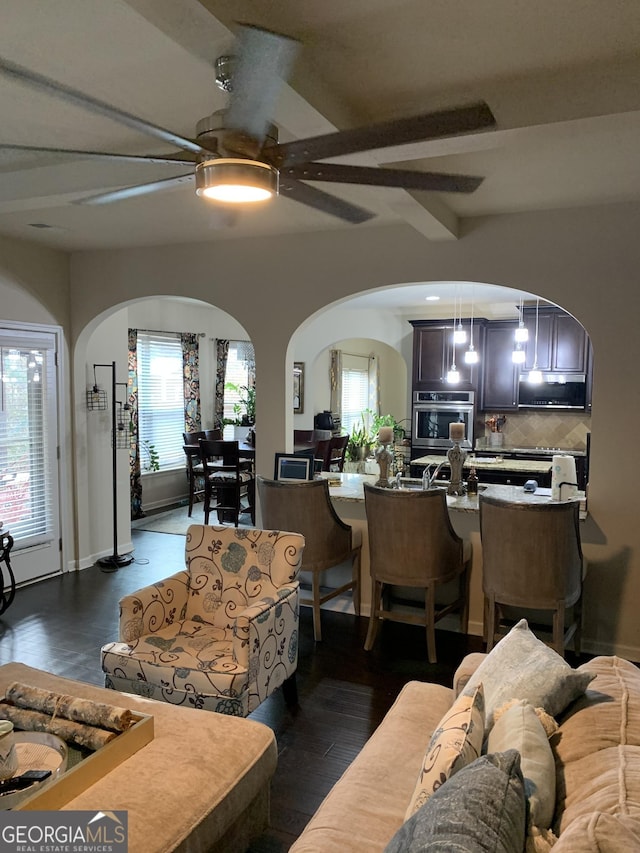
{"points": [[456, 741], [480, 810], [519, 727], [521, 666]]}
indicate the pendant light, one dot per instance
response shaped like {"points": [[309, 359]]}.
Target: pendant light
{"points": [[459, 334], [535, 376], [522, 333], [471, 356], [453, 374]]}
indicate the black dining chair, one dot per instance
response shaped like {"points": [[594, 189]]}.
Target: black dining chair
{"points": [[228, 479]]}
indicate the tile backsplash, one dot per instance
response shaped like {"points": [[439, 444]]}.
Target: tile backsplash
{"points": [[544, 429]]}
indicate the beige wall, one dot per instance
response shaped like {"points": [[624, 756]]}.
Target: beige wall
{"points": [[587, 261]]}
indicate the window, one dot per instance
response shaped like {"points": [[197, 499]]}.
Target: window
{"points": [[161, 397], [355, 391], [239, 373], [28, 437]]}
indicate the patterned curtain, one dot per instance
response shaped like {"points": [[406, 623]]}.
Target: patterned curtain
{"points": [[222, 351], [335, 380], [134, 449], [191, 370]]}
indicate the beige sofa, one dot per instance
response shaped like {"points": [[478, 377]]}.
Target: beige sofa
{"points": [[595, 755]]}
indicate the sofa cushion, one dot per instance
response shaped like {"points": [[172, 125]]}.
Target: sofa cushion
{"points": [[607, 714], [607, 780], [456, 741], [519, 727], [520, 666], [600, 832], [479, 810]]}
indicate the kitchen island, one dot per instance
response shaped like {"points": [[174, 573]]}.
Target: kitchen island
{"points": [[347, 497]]}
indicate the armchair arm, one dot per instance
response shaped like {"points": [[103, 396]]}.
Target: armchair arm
{"points": [[265, 641], [150, 608]]}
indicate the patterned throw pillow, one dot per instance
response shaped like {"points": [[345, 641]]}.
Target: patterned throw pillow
{"points": [[456, 742], [481, 810], [521, 666]]}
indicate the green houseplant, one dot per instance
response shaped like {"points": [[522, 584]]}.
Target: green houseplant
{"points": [[245, 409]]}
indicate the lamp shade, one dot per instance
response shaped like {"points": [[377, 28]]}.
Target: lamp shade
{"points": [[236, 180]]}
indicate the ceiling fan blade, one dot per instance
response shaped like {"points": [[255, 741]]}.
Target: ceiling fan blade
{"points": [[383, 135], [372, 176], [313, 197], [178, 160], [261, 68], [138, 189], [87, 102]]}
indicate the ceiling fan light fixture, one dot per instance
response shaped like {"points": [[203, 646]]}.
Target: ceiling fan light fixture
{"points": [[236, 181]]}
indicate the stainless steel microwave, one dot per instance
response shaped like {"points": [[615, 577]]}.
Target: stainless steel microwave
{"points": [[556, 391]]}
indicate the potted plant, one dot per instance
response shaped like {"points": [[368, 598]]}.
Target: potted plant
{"points": [[245, 409]]}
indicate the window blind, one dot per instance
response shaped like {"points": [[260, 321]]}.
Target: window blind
{"points": [[28, 437], [355, 391], [239, 359], [161, 397]]}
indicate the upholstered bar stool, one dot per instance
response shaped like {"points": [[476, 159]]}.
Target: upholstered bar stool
{"points": [[412, 543], [532, 561]]}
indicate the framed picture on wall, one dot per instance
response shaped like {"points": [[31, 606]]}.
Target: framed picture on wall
{"points": [[298, 387]]}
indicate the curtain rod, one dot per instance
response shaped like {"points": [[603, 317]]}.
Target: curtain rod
{"points": [[358, 354]]}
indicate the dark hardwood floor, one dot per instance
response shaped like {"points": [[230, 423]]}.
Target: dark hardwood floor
{"points": [[60, 624]]}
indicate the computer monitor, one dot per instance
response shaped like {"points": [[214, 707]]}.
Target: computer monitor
{"points": [[296, 467]]}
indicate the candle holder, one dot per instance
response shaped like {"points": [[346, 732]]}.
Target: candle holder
{"points": [[456, 456], [384, 457]]}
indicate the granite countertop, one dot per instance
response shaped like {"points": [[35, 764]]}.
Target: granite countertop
{"points": [[492, 463], [348, 487]]}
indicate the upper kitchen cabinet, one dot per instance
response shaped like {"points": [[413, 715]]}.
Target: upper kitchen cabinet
{"points": [[499, 388], [433, 354], [563, 344]]}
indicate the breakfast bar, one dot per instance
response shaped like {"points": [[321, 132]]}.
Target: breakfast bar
{"points": [[347, 497]]}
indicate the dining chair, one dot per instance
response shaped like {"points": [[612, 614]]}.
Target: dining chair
{"points": [[228, 478], [195, 471], [193, 437], [323, 452], [337, 452], [412, 543], [306, 508], [532, 561]]}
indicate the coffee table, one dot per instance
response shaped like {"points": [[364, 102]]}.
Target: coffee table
{"points": [[201, 784]]}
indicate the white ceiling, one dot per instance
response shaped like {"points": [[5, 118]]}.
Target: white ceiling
{"points": [[562, 78]]}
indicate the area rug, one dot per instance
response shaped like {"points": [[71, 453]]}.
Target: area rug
{"points": [[177, 521], [174, 521]]}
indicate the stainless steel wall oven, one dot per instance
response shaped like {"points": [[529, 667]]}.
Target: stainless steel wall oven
{"points": [[433, 411]]}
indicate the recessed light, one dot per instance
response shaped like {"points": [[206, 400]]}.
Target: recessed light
{"points": [[432, 298]]}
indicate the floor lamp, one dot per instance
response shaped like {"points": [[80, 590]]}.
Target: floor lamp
{"points": [[96, 400]]}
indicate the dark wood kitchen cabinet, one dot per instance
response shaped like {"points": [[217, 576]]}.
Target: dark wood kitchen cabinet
{"points": [[563, 344], [433, 354], [499, 387]]}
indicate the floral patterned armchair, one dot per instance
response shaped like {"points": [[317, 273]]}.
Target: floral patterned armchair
{"points": [[221, 634]]}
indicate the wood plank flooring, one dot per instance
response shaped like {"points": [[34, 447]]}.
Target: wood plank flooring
{"points": [[60, 624]]}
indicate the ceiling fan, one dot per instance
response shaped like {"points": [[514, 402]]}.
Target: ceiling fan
{"points": [[238, 147]]}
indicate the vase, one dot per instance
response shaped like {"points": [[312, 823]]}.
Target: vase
{"points": [[496, 439]]}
